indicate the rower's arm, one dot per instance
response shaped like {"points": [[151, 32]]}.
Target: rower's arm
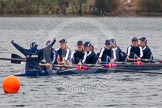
{"points": [[120, 51], [72, 55], [149, 54], [50, 44], [18, 47], [85, 57], [141, 52], [55, 55], [67, 54], [114, 53], [129, 51], [101, 52]]}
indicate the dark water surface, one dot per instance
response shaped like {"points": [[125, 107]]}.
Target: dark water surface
{"points": [[114, 90]]}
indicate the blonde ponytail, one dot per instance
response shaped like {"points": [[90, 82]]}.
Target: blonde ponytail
{"points": [[66, 47]]}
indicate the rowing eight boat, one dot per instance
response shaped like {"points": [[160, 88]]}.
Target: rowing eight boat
{"points": [[107, 68]]}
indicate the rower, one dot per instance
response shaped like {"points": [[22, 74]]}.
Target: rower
{"points": [[105, 53], [51, 54], [117, 54], [33, 55], [64, 53], [89, 57], [78, 55], [134, 51], [147, 54]]}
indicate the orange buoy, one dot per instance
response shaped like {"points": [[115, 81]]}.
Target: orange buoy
{"points": [[11, 84]]}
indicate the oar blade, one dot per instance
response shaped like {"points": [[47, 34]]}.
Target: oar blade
{"points": [[14, 57]]}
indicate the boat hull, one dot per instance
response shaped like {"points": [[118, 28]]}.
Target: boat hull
{"points": [[95, 70], [63, 72]]}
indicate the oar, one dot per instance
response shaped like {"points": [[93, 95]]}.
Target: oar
{"points": [[14, 59], [65, 66], [145, 60], [17, 59], [148, 60]]}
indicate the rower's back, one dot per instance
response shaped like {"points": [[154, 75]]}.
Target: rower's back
{"points": [[33, 59], [33, 55]]}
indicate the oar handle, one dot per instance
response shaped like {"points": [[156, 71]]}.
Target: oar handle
{"points": [[146, 60], [79, 67], [132, 59], [49, 65]]}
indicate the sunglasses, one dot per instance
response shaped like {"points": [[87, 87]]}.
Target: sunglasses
{"points": [[107, 44]]}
